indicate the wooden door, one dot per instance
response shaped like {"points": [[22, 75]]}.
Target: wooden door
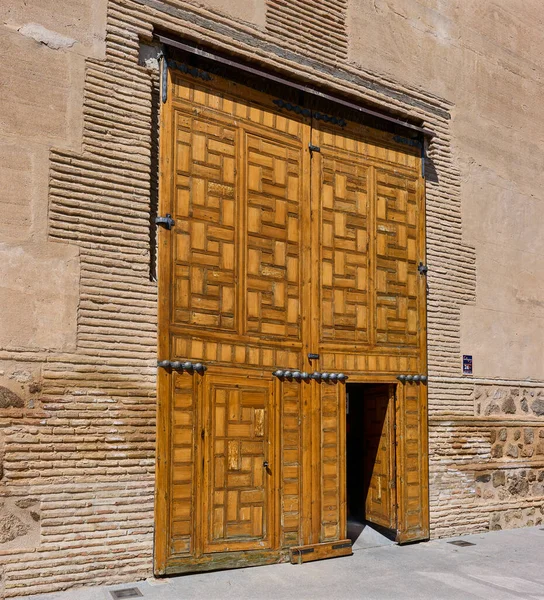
{"points": [[379, 455], [233, 295], [412, 464], [277, 252], [370, 319], [238, 463]]}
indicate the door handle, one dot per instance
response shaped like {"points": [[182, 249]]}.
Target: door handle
{"points": [[265, 464]]}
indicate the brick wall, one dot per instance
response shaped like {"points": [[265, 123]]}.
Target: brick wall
{"points": [[78, 451]]}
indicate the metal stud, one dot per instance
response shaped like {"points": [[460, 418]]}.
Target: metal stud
{"points": [[278, 373], [304, 376], [409, 378], [333, 377], [423, 379], [165, 364], [176, 365], [341, 377], [324, 376], [188, 366], [416, 378], [316, 375], [288, 374], [401, 378], [200, 368], [296, 375]]}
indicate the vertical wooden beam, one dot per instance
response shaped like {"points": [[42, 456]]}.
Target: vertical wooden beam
{"points": [[371, 229], [315, 411], [164, 379]]}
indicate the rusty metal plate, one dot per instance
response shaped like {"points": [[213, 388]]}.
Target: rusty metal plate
{"points": [[461, 543], [126, 593]]}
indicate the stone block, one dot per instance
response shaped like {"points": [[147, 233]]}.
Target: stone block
{"points": [[497, 451], [11, 528], [9, 399], [537, 407], [512, 451], [499, 478]]}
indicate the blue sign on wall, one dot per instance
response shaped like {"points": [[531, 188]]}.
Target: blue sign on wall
{"points": [[467, 364]]}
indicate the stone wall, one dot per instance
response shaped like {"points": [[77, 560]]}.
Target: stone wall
{"points": [[487, 469], [78, 325]]}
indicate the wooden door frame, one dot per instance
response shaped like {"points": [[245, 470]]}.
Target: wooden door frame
{"points": [[198, 561], [164, 383], [313, 431], [392, 385]]}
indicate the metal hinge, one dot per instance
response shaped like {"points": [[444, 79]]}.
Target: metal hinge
{"points": [[167, 221], [422, 269], [314, 148]]}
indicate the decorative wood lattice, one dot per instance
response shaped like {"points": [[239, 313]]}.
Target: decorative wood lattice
{"points": [[205, 224], [273, 237], [396, 259], [344, 250]]}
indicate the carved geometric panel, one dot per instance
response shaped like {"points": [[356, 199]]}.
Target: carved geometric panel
{"points": [[396, 259], [331, 460], [344, 248], [291, 464], [412, 495], [274, 181], [182, 480], [205, 215], [238, 482]]}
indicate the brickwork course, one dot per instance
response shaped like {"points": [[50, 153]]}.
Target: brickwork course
{"points": [[78, 341]]}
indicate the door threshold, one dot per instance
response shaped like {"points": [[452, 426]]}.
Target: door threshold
{"points": [[365, 535]]}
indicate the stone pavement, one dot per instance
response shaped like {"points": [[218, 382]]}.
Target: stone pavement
{"points": [[502, 565]]}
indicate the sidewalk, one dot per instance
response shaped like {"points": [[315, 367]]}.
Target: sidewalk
{"points": [[502, 565]]}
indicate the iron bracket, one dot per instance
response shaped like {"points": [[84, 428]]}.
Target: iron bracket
{"points": [[313, 148], [164, 75], [422, 269], [167, 221]]}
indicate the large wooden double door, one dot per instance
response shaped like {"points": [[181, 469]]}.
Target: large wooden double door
{"points": [[295, 233]]}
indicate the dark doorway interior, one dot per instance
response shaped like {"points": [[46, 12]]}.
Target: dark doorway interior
{"points": [[370, 459]]}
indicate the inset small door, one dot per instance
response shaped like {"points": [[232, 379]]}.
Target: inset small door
{"points": [[379, 455], [238, 459]]}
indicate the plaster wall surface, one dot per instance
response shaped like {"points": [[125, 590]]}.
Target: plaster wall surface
{"points": [[43, 51], [486, 58]]}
